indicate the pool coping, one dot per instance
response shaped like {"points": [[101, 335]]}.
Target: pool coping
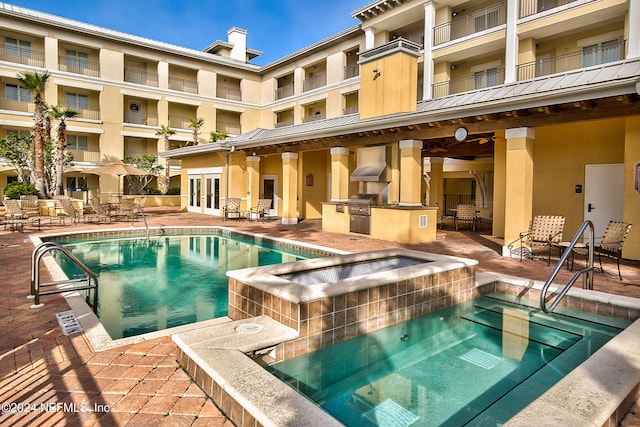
{"points": [[93, 329]]}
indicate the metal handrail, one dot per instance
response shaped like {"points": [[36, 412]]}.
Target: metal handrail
{"points": [[587, 271], [144, 219], [36, 256]]}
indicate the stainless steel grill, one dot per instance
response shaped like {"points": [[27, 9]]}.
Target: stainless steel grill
{"points": [[359, 208]]}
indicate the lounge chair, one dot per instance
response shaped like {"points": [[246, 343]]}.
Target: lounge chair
{"points": [[262, 210], [29, 204], [101, 211], [70, 209], [544, 230], [610, 244], [466, 214], [17, 218]]}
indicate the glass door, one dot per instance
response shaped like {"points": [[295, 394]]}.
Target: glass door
{"points": [[195, 194], [212, 194], [269, 190]]}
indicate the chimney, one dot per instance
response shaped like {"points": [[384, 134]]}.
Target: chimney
{"points": [[238, 37]]}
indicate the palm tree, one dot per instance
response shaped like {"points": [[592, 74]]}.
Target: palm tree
{"points": [[61, 113], [36, 83], [196, 124], [164, 132]]}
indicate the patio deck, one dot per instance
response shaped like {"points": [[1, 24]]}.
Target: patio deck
{"points": [[141, 384]]}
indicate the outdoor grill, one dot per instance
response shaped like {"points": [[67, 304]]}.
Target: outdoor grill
{"points": [[359, 208]]}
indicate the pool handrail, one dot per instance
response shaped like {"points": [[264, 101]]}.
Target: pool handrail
{"points": [[91, 279], [587, 271]]}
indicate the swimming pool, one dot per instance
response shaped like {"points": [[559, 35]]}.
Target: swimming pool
{"points": [[167, 280], [476, 363]]}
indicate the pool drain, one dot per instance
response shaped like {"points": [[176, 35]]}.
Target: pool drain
{"points": [[481, 358], [248, 328]]}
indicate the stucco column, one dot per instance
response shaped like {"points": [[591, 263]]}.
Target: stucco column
{"points": [[410, 172], [339, 174], [511, 50], [436, 183], [253, 181], [429, 24], [289, 188], [369, 38], [634, 30], [518, 184], [631, 210]]}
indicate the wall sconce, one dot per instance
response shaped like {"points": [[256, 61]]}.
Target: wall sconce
{"points": [[454, 14], [376, 73], [453, 66]]}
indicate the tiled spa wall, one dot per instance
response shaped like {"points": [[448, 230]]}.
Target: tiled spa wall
{"points": [[330, 320]]}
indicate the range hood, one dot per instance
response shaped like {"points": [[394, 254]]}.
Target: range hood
{"points": [[371, 165]]}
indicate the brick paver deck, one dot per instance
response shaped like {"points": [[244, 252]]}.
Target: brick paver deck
{"points": [[47, 378]]}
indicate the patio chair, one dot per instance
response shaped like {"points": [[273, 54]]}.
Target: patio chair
{"points": [[71, 210], [231, 209], [29, 204], [544, 230], [17, 218], [124, 210], [610, 244], [262, 210], [101, 211], [466, 214]]}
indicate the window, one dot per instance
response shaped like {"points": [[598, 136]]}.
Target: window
{"points": [[20, 133], [16, 93], [600, 53], [75, 59], [77, 101], [78, 142], [16, 47], [485, 78]]}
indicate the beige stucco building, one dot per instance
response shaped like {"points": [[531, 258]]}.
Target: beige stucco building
{"points": [[522, 107]]}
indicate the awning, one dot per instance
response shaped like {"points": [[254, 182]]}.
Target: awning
{"points": [[368, 173]]}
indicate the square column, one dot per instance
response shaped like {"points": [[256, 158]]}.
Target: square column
{"points": [[253, 181], [339, 174], [518, 184], [436, 183], [289, 188], [410, 172]]}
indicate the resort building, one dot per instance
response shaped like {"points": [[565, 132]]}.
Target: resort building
{"points": [[520, 107]]}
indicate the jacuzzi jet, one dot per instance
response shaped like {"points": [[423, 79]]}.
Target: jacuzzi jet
{"points": [[404, 337], [248, 328]]}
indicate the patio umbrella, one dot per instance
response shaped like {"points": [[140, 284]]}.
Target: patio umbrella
{"points": [[119, 169]]}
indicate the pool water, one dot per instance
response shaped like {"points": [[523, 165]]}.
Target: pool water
{"points": [[146, 285], [477, 364]]}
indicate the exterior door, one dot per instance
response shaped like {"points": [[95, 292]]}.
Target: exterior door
{"points": [[212, 194], [195, 194], [269, 190], [603, 195]]}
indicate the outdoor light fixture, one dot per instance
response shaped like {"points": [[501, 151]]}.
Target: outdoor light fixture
{"points": [[376, 73]]}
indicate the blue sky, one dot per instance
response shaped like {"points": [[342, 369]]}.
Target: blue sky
{"points": [[275, 27]]}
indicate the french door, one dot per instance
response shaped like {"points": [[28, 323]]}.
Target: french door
{"points": [[195, 194], [212, 194]]}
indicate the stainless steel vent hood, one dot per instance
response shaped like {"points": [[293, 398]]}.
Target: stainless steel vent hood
{"points": [[371, 165]]}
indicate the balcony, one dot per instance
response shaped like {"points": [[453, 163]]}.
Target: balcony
{"points": [[179, 122], [182, 85], [314, 118], [473, 23], [85, 156], [350, 110], [232, 93], [79, 66], [140, 118], [284, 123], [21, 55], [88, 112], [351, 70], [531, 7], [284, 91], [232, 128], [10, 105], [586, 57], [479, 80], [140, 77], [318, 80]]}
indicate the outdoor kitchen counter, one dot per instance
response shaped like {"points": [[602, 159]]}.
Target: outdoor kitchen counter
{"points": [[404, 224]]}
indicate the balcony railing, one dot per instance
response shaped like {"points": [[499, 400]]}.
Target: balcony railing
{"points": [[398, 43], [284, 91], [351, 70], [21, 55], [138, 118], [473, 23], [350, 110], [89, 112], [477, 81], [284, 123], [140, 77], [232, 128], [25, 107], [314, 82], [313, 118], [85, 156], [79, 66], [189, 86], [179, 122], [232, 93], [571, 61], [531, 7]]}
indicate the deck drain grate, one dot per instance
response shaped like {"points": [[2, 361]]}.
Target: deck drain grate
{"points": [[390, 414], [481, 358], [68, 322]]}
